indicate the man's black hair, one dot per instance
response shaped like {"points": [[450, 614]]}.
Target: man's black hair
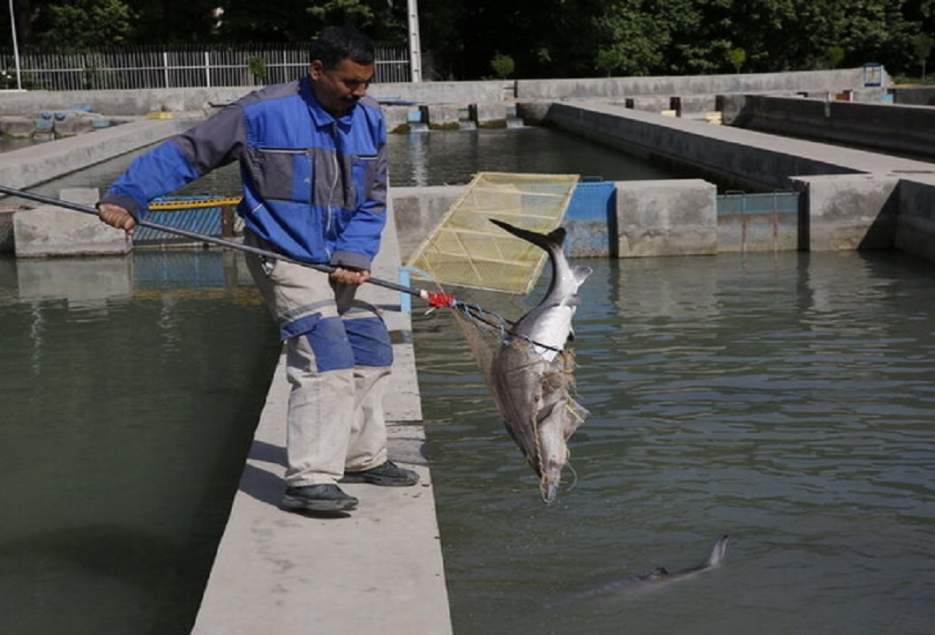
{"points": [[337, 43]]}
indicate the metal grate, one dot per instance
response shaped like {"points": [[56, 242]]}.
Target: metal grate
{"points": [[766, 203], [203, 220], [155, 67]]}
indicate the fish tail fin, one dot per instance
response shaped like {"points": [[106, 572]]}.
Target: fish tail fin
{"points": [[718, 552], [581, 274], [553, 239]]}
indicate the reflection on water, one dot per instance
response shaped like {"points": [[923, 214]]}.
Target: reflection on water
{"points": [[785, 400], [439, 158], [127, 411]]}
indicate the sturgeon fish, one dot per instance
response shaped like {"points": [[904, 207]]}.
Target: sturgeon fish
{"points": [[531, 374], [658, 577]]}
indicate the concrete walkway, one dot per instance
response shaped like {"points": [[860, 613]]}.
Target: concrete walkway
{"points": [[43, 162], [377, 570], [734, 153]]}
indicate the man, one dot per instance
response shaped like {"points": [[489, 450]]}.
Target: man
{"points": [[312, 155]]}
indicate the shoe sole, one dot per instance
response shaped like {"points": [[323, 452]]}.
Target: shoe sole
{"points": [[351, 479], [302, 504]]}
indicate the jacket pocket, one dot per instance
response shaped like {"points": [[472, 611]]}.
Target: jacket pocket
{"points": [[282, 173], [363, 172]]}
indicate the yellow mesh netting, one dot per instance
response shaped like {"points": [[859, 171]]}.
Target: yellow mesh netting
{"points": [[468, 250]]}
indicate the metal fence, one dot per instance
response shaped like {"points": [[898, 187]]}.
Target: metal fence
{"points": [[155, 67]]}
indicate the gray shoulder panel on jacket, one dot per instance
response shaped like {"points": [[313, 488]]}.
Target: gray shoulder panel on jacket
{"points": [[214, 142], [276, 91]]}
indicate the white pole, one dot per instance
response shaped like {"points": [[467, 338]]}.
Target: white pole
{"points": [[19, 80], [207, 70], [165, 66], [415, 49]]}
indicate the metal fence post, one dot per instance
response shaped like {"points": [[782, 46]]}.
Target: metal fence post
{"points": [[207, 69], [165, 66]]}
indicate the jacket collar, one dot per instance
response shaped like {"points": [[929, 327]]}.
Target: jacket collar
{"points": [[321, 117]]}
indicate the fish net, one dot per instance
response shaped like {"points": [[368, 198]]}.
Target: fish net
{"points": [[491, 268]]}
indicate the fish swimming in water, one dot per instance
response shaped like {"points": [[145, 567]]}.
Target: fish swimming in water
{"points": [[531, 373], [657, 578]]}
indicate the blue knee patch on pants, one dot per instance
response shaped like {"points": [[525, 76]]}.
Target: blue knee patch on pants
{"points": [[329, 342], [370, 341]]}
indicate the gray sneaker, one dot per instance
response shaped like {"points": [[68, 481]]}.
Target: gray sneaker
{"points": [[327, 497], [389, 475]]}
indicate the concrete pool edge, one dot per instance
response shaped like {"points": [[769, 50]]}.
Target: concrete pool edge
{"points": [[30, 166]]}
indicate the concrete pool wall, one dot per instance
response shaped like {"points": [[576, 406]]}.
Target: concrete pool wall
{"points": [[851, 199], [489, 103], [906, 129]]}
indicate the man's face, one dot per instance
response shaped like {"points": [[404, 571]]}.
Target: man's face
{"points": [[338, 89]]}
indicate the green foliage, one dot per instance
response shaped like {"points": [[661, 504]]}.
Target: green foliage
{"points": [[737, 56], [257, 67], [89, 24], [342, 11], [922, 46], [832, 57], [544, 38], [502, 66]]}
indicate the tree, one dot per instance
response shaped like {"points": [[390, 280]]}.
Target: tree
{"points": [[922, 47], [302, 20], [737, 56], [502, 66], [88, 24]]}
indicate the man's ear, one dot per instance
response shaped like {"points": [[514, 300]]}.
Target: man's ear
{"points": [[316, 69]]}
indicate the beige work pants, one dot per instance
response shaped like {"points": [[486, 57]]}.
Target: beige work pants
{"points": [[338, 357]]}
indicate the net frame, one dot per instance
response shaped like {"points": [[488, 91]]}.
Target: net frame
{"points": [[466, 250]]}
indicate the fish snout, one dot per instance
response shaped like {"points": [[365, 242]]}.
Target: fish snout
{"points": [[548, 484], [549, 492]]}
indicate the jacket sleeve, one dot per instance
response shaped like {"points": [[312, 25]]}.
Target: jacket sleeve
{"points": [[214, 142], [360, 240]]}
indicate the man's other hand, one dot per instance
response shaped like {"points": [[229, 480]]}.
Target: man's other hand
{"points": [[349, 276], [116, 216]]}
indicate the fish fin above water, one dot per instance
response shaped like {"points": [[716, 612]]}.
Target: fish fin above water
{"points": [[718, 552], [555, 238]]}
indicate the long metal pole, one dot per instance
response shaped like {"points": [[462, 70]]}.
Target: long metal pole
{"points": [[415, 47], [435, 299], [19, 79]]}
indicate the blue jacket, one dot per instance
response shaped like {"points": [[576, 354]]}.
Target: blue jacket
{"points": [[313, 185]]}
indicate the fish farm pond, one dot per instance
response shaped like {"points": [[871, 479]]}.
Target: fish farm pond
{"points": [[784, 399]]}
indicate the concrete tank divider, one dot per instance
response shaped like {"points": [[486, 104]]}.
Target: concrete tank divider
{"points": [[17, 127], [489, 115], [846, 212], [743, 158], [49, 230], [675, 217], [915, 229], [441, 116], [655, 218], [6, 230], [31, 166], [555, 89], [894, 128]]}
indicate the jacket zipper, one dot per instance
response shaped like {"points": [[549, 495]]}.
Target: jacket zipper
{"points": [[284, 150], [334, 181]]}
